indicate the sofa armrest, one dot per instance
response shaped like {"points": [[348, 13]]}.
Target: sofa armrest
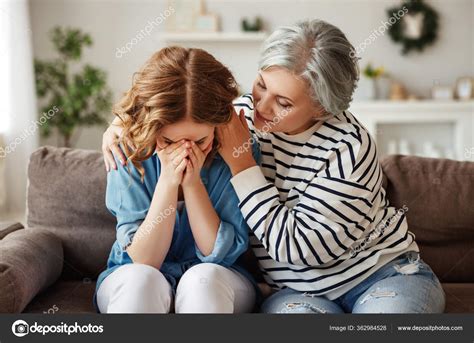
{"points": [[30, 261], [9, 227]]}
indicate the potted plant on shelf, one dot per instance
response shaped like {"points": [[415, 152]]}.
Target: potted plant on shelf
{"points": [[373, 74], [80, 96]]}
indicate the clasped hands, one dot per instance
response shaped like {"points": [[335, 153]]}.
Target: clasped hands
{"points": [[181, 163]]}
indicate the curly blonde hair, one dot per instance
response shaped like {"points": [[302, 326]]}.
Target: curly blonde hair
{"points": [[174, 84]]}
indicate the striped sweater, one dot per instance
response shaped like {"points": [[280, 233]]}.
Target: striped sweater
{"points": [[319, 217]]}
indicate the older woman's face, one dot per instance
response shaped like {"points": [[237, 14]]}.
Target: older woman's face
{"points": [[282, 102]]}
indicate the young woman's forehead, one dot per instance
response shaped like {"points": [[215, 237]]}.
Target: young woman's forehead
{"points": [[187, 130]]}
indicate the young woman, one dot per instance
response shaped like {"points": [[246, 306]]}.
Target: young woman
{"points": [[325, 236], [179, 235]]}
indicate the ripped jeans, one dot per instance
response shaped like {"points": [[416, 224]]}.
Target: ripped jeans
{"points": [[404, 285]]}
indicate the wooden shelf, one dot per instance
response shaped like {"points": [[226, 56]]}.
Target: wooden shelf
{"points": [[214, 36]]}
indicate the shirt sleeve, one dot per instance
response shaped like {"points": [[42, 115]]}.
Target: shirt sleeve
{"points": [[128, 199], [229, 245], [232, 235], [333, 211]]}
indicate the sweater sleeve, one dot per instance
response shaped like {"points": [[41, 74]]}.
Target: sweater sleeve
{"points": [[333, 211]]}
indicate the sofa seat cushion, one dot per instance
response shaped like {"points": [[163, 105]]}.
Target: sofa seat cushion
{"points": [[459, 297], [65, 297]]}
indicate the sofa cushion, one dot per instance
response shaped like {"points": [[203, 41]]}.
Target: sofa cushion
{"points": [[66, 195], [8, 227], [30, 261], [439, 195], [459, 297], [65, 297]]}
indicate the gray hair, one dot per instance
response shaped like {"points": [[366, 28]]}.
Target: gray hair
{"points": [[319, 53]]}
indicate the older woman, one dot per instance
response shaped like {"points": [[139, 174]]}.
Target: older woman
{"points": [[325, 236]]}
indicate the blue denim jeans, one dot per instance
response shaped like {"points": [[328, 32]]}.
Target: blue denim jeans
{"points": [[404, 285]]}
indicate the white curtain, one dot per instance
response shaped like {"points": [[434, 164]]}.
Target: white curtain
{"points": [[17, 102], [3, 190]]}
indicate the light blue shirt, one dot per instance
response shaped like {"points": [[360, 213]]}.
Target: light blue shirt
{"points": [[128, 199]]}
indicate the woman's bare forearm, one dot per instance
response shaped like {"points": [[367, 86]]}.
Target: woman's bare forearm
{"points": [[203, 219], [152, 240]]}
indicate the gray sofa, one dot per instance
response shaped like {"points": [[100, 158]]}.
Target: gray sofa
{"points": [[51, 265]]}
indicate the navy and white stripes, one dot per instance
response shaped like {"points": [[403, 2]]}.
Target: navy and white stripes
{"points": [[315, 197]]}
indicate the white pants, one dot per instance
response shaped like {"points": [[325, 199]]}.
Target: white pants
{"points": [[203, 288]]}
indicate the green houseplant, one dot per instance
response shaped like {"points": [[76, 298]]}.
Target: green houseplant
{"points": [[80, 94]]}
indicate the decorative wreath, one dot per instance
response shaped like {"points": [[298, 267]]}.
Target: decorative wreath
{"points": [[428, 31]]}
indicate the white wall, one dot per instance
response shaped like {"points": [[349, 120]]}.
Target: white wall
{"points": [[113, 23]]}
